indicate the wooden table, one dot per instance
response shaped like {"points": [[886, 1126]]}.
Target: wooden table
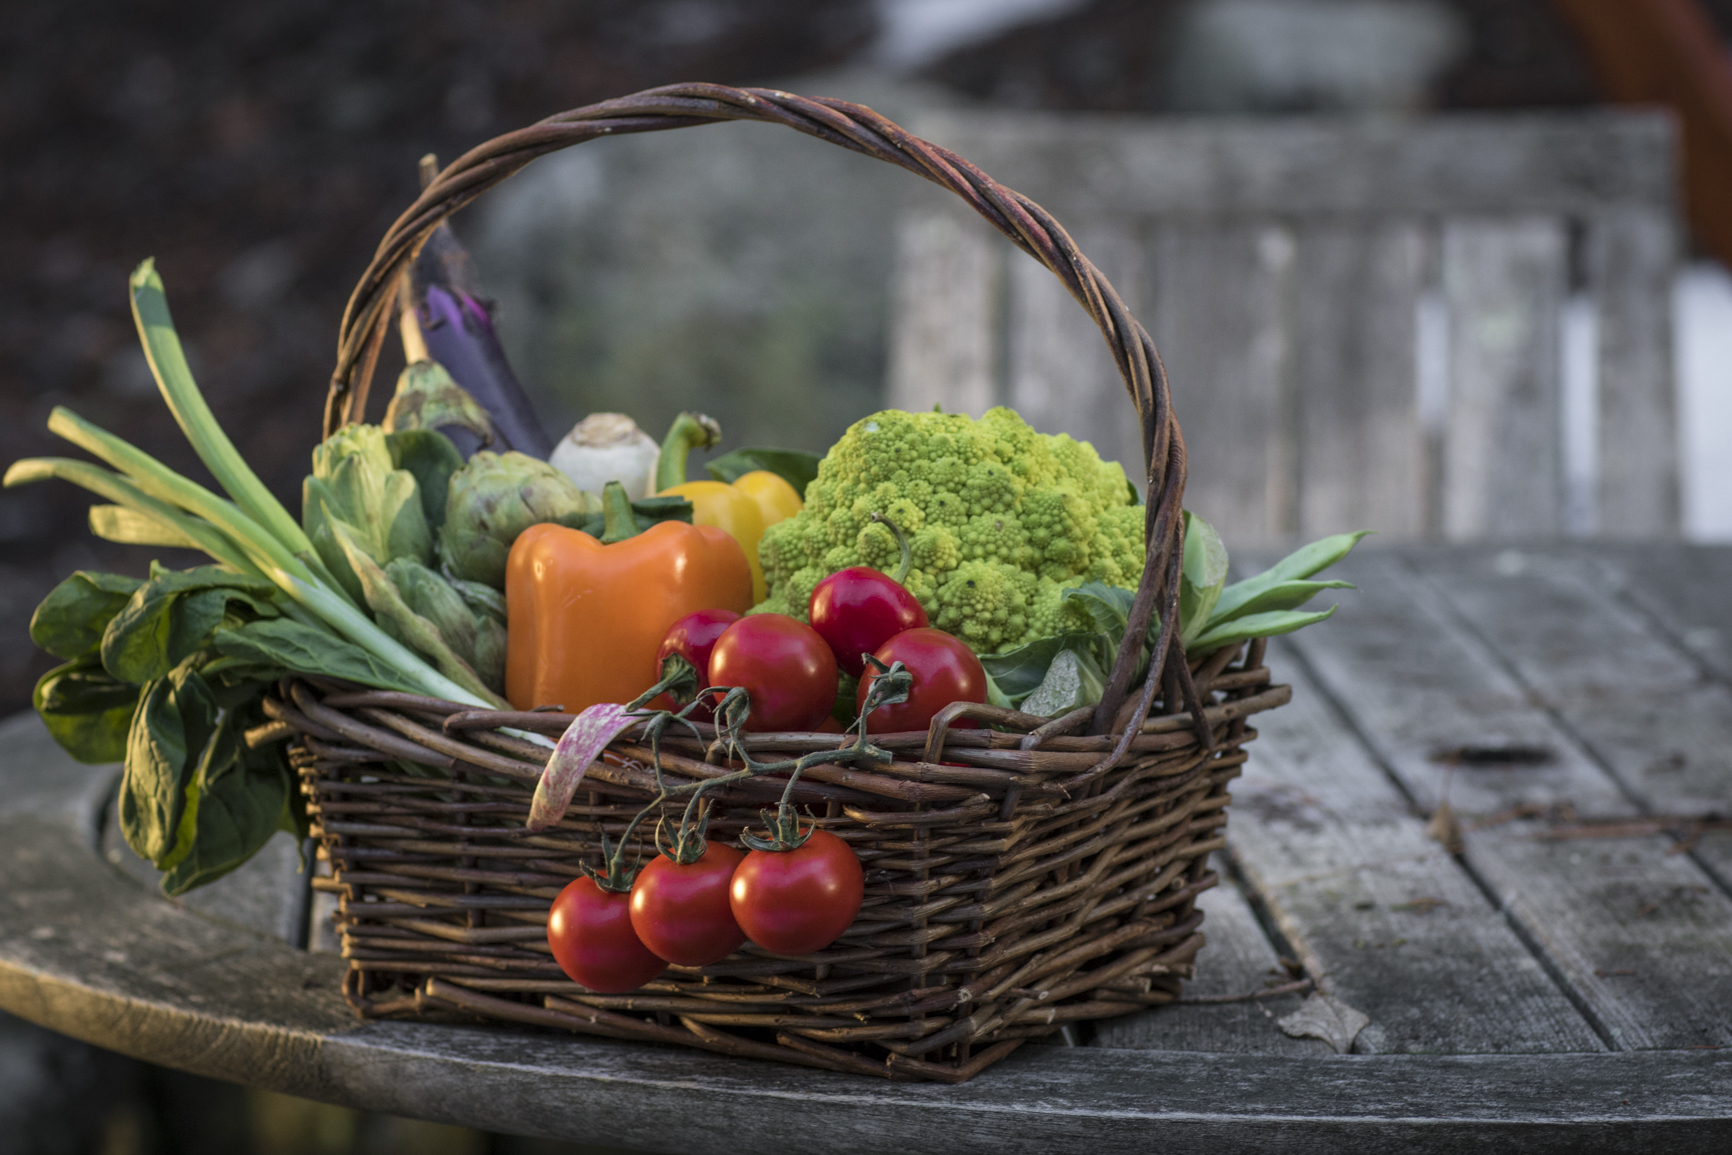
{"points": [[1565, 981]]}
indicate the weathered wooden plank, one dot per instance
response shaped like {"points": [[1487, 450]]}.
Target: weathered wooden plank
{"points": [[1504, 281], [1353, 377], [1219, 316], [1632, 256], [1684, 589], [1421, 690], [1061, 377], [1237, 959], [1564, 163], [1378, 910], [1639, 703], [945, 314]]}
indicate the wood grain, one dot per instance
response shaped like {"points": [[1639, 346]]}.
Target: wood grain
{"points": [[1419, 688], [945, 324]]}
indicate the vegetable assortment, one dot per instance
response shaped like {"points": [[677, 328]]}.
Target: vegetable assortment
{"points": [[928, 559]]}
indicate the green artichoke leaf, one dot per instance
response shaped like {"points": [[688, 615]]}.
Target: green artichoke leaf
{"points": [[474, 635], [432, 458], [495, 497], [355, 480], [428, 398]]}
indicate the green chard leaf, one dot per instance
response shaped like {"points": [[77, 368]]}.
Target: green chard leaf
{"points": [[1266, 625], [171, 730], [243, 798], [1075, 678], [1202, 577], [86, 709], [173, 615], [71, 619], [797, 468]]}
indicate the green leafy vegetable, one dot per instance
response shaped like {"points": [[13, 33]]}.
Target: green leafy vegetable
{"points": [[476, 636], [427, 398], [173, 616], [1255, 626], [170, 732], [797, 468], [431, 458], [1301, 563], [242, 800], [86, 709], [71, 619], [1075, 678], [295, 648], [1202, 576], [355, 481]]}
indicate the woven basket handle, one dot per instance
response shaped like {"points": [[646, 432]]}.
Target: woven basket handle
{"points": [[367, 320]]}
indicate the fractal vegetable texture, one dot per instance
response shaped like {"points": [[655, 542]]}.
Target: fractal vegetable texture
{"points": [[1000, 519]]}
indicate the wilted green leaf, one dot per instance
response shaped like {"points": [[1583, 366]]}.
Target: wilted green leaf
{"points": [[86, 709], [173, 726], [70, 621]]}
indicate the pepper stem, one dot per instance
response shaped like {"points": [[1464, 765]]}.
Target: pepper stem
{"points": [[620, 522], [907, 559], [688, 432]]}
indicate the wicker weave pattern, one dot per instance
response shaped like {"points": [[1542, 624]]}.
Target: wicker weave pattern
{"points": [[1048, 874], [1005, 897]]}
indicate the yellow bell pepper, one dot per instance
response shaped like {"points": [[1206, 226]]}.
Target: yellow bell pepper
{"points": [[743, 509]]}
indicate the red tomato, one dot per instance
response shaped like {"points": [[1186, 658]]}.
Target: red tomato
{"points": [[681, 911], [858, 609], [945, 670], [787, 668], [801, 900], [692, 638], [590, 932]]}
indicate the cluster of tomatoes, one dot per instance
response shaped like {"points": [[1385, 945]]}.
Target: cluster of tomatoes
{"points": [[789, 901], [799, 895], [790, 668]]}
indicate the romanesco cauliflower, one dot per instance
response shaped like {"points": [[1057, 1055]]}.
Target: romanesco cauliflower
{"points": [[1000, 519]]}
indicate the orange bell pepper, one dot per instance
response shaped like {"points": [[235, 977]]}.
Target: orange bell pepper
{"points": [[584, 618]]}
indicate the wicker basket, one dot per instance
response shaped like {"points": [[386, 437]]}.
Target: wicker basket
{"points": [[1019, 876]]}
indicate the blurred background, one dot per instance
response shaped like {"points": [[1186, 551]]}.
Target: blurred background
{"points": [[1387, 247]]}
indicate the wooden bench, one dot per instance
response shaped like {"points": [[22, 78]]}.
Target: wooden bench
{"points": [[1361, 318], [1563, 983]]}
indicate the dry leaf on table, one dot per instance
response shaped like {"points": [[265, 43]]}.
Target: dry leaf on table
{"points": [[1328, 1018]]}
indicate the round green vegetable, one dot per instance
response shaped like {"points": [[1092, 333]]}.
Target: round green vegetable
{"points": [[1000, 520]]}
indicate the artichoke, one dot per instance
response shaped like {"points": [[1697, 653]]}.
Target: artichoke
{"points": [[497, 496], [355, 482], [476, 636]]}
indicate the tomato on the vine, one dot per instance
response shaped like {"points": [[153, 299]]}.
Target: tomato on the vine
{"points": [[693, 638], [945, 670], [798, 901], [785, 666], [681, 911], [590, 932]]}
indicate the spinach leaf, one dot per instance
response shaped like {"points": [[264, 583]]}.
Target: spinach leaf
{"points": [[86, 709], [70, 620], [242, 799], [171, 731], [173, 615], [797, 468], [431, 457], [287, 646]]}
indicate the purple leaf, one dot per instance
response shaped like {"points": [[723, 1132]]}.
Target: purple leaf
{"points": [[580, 745]]}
